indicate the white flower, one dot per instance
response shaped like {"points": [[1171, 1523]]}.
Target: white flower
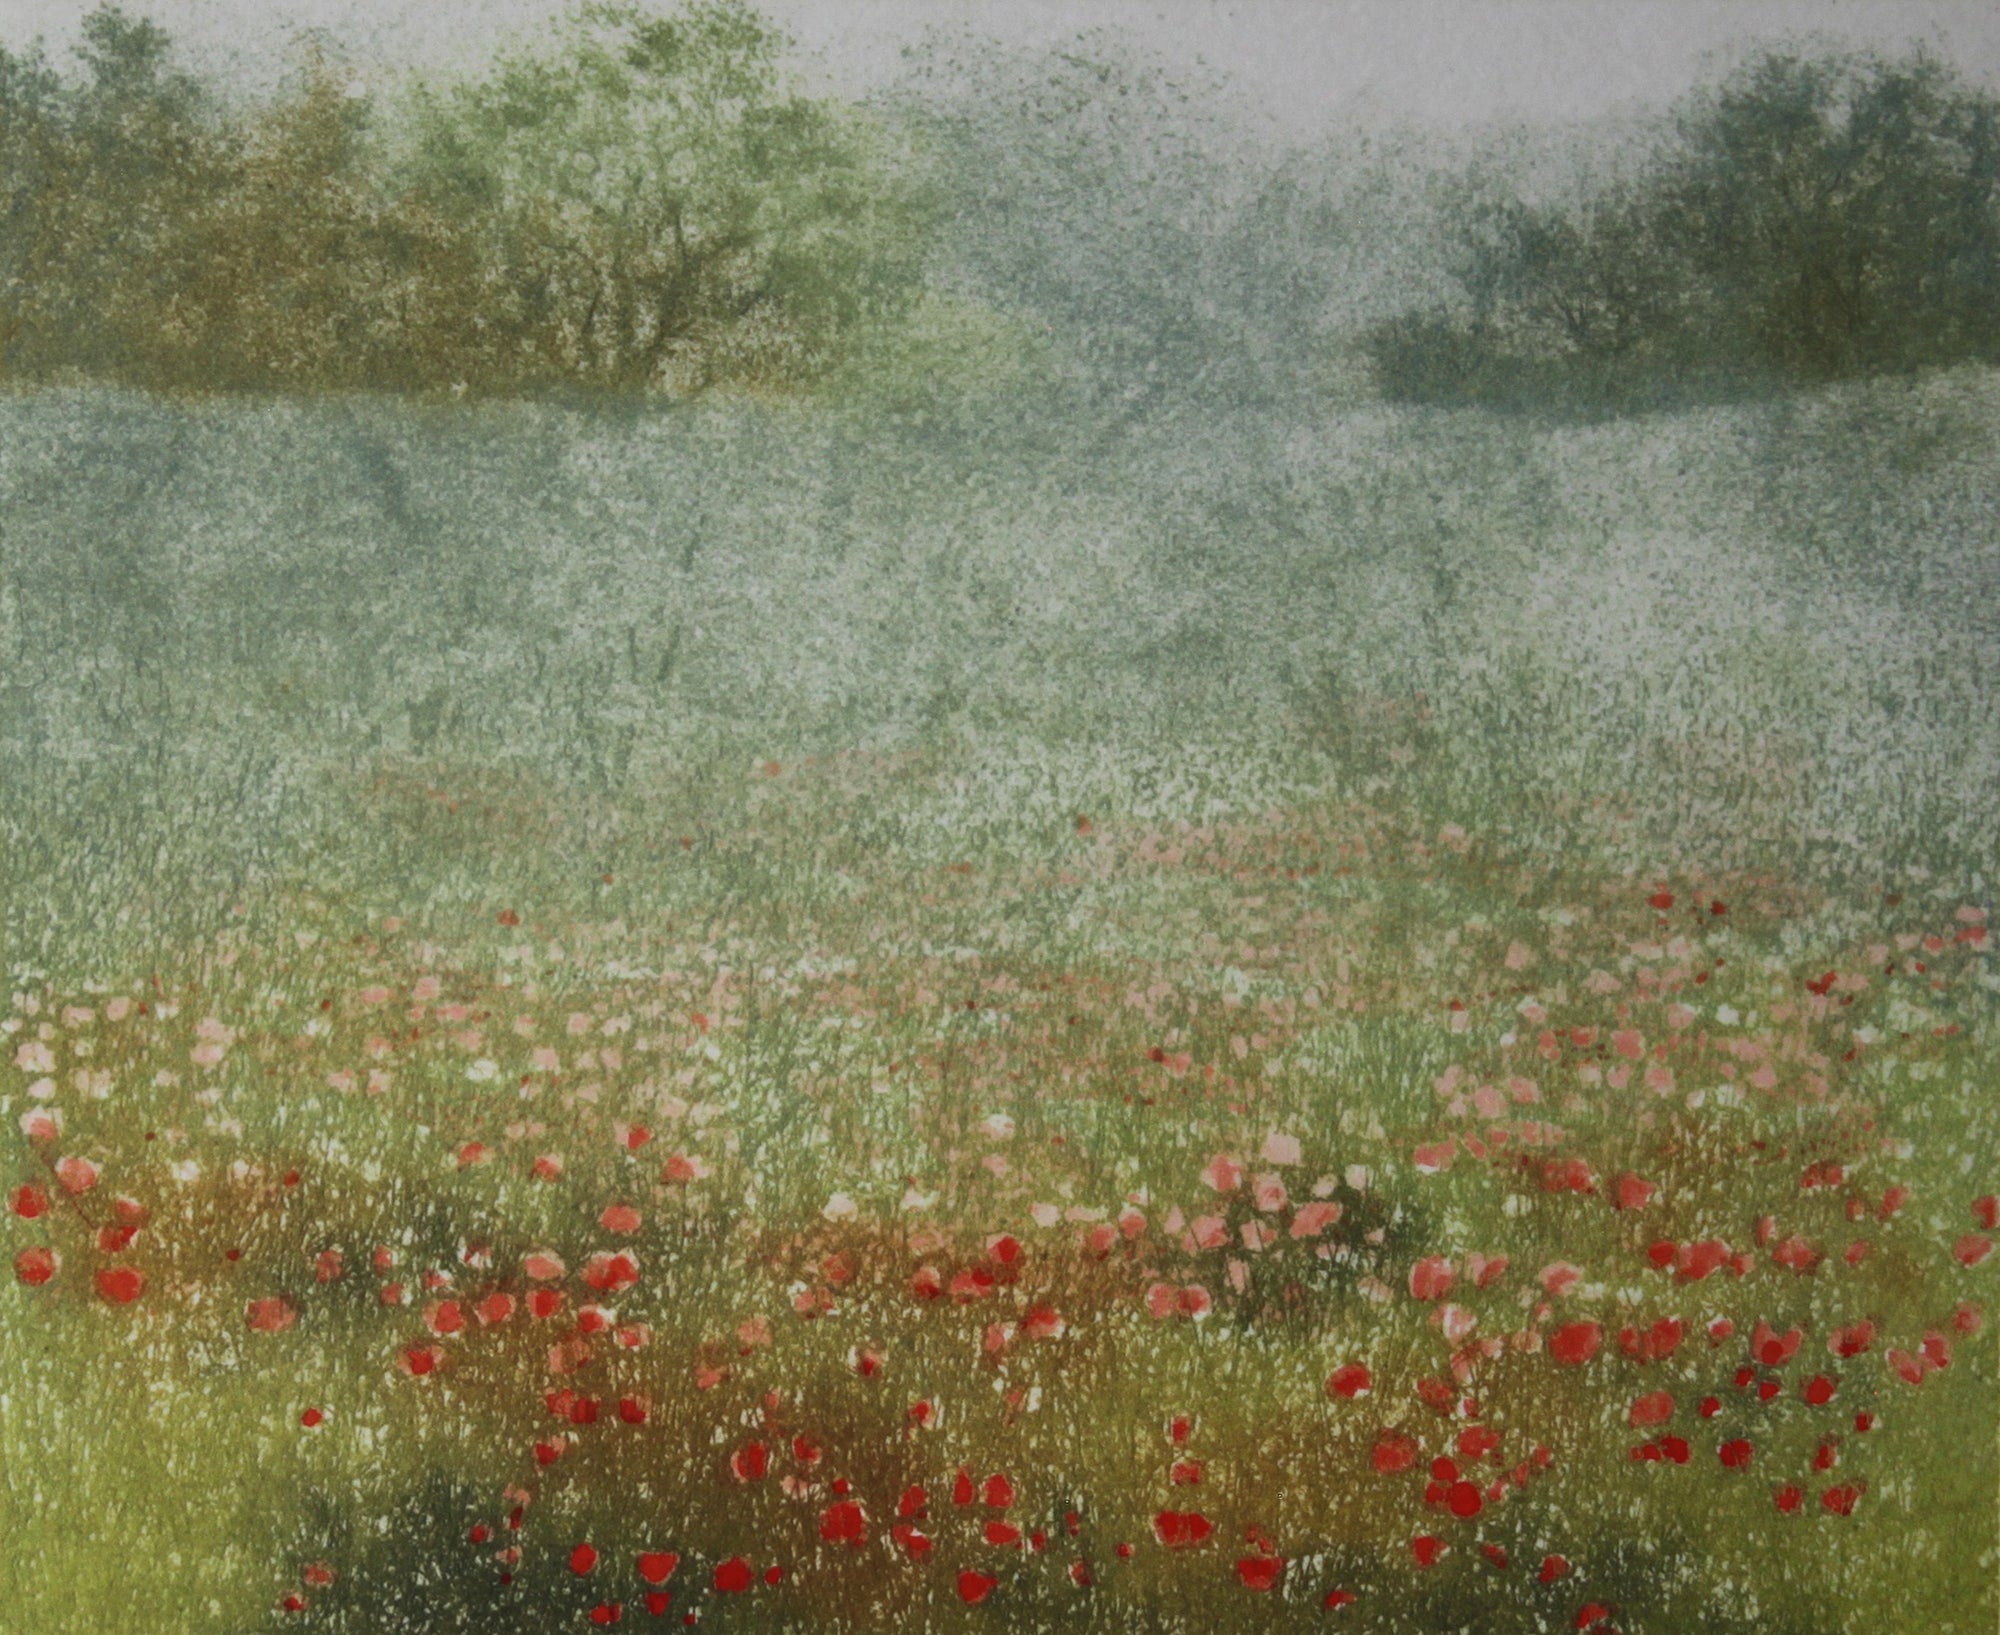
{"points": [[1280, 1148], [483, 1070], [839, 1207]]}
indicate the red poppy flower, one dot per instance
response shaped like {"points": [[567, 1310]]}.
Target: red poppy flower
{"points": [[607, 1273], [1575, 1343], [121, 1285], [36, 1266], [270, 1316], [1431, 1278], [1182, 1529], [844, 1523], [1394, 1452], [1771, 1348], [1349, 1380]]}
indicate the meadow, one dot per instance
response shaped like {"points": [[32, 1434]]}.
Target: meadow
{"points": [[958, 1013]]}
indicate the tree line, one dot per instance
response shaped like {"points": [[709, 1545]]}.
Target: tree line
{"points": [[643, 201], [1811, 217]]}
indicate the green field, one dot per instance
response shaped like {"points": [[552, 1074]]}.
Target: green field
{"points": [[1023, 927]]}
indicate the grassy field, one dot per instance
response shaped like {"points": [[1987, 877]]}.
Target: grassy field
{"points": [[959, 1016]]}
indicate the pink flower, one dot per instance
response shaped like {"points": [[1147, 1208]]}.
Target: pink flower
{"points": [[1223, 1173]]}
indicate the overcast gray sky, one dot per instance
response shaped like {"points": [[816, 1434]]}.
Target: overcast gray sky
{"points": [[1303, 64]]}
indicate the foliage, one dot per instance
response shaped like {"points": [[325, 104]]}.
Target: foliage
{"points": [[659, 205], [1138, 875], [1810, 217], [1099, 193], [640, 204]]}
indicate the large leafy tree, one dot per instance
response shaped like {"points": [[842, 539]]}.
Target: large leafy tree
{"points": [[657, 203]]}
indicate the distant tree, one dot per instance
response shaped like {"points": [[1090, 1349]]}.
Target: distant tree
{"points": [[299, 271], [1086, 187], [143, 154], [98, 167], [1839, 213], [1809, 217], [31, 161]]}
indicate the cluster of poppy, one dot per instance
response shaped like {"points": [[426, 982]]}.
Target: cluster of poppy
{"points": [[588, 1317]]}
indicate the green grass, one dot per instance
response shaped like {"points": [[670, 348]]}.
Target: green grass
{"points": [[820, 786]]}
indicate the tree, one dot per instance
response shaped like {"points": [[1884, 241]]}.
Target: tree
{"points": [[656, 202], [100, 169], [1086, 187], [30, 162], [1840, 212], [1810, 217]]}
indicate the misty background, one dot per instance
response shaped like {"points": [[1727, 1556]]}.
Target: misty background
{"points": [[1299, 67], [1118, 430]]}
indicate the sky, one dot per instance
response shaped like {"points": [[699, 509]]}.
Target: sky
{"points": [[1301, 65]]}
